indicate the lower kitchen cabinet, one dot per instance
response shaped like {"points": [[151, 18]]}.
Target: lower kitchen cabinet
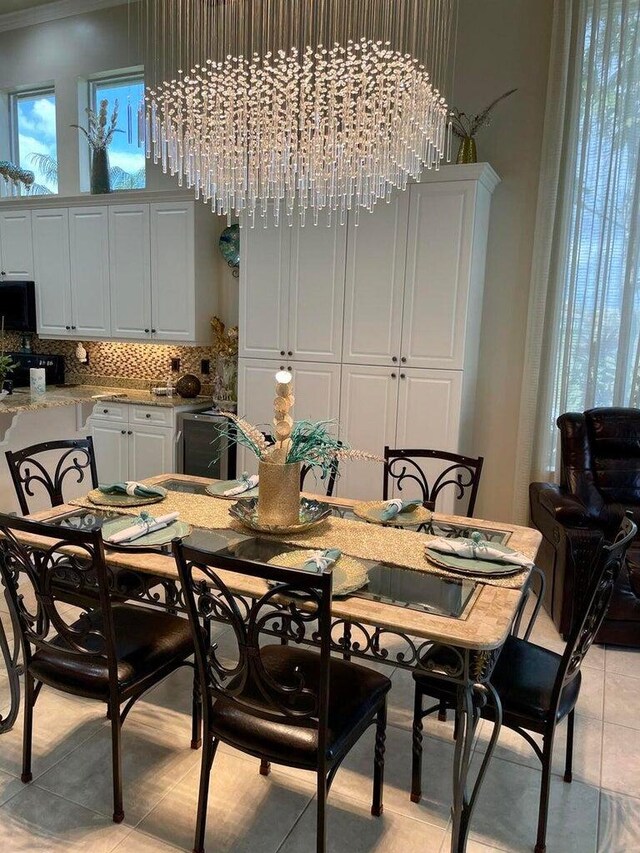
{"points": [[129, 452]]}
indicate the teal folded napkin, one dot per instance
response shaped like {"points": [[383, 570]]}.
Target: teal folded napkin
{"points": [[138, 490], [322, 560], [396, 506]]}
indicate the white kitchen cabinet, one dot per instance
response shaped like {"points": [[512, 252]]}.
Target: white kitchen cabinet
{"points": [[316, 387], [130, 270], [89, 266], [52, 271], [111, 449], [16, 246], [292, 292], [172, 272], [151, 451], [375, 284]]}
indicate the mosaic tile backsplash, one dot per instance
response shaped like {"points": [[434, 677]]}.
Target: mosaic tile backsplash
{"points": [[122, 364]]}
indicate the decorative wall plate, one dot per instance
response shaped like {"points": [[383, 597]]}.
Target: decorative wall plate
{"points": [[349, 575], [100, 499], [372, 511], [312, 512]]}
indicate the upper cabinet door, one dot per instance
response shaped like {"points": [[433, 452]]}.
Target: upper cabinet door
{"points": [[316, 296], [172, 272], [51, 271], [376, 254], [130, 263], [368, 410], [17, 245], [438, 274], [89, 245], [264, 291]]}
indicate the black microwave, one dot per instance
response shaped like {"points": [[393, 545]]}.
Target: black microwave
{"points": [[18, 305]]}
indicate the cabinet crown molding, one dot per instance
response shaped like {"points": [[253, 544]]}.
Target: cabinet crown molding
{"points": [[484, 173], [53, 12], [38, 202]]}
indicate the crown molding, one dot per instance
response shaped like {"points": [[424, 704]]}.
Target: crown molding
{"points": [[53, 12]]}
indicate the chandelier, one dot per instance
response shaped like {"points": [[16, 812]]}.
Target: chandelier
{"points": [[303, 108]]}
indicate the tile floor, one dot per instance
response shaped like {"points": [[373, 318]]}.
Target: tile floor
{"points": [[67, 806]]}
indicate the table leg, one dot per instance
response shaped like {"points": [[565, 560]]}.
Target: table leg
{"points": [[14, 671], [471, 698]]}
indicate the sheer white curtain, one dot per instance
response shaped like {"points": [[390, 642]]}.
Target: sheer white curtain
{"points": [[583, 342]]}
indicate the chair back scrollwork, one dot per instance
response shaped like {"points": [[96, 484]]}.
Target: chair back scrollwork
{"points": [[76, 460], [461, 475], [295, 605], [29, 573]]}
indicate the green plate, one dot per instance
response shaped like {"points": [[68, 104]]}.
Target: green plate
{"points": [[101, 499], [176, 530], [372, 511], [217, 489], [467, 566]]}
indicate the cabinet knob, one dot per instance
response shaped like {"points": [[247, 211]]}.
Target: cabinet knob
{"points": [[146, 331], [105, 411], [153, 331], [393, 375], [281, 352], [73, 327], [403, 376], [403, 359], [129, 432], [282, 367], [147, 415], [67, 328], [123, 431], [394, 358], [290, 353]]}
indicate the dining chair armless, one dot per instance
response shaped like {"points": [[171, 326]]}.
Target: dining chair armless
{"points": [[279, 703], [460, 475], [537, 688], [113, 653]]}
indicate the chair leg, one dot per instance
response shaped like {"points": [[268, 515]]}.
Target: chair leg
{"points": [[321, 829], [545, 788], [27, 733], [196, 713], [416, 750], [442, 711], [208, 754], [568, 774], [265, 767], [116, 759], [378, 762]]}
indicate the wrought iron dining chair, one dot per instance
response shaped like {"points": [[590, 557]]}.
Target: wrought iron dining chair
{"points": [[461, 474], [113, 653], [331, 476], [537, 687], [280, 703]]}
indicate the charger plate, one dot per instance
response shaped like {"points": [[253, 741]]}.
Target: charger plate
{"points": [[349, 575], [176, 530], [218, 489], [467, 566], [372, 511], [100, 499]]}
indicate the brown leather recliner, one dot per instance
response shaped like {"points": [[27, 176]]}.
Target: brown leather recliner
{"points": [[599, 480]]}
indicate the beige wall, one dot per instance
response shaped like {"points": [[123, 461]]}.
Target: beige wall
{"points": [[502, 44]]}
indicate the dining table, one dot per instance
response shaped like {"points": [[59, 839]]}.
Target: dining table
{"points": [[408, 609]]}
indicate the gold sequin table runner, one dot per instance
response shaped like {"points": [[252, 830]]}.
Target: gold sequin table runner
{"points": [[356, 538]]}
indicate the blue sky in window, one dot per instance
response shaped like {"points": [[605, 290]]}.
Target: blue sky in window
{"points": [[128, 156], [36, 116]]}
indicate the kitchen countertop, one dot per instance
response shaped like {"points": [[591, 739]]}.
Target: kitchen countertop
{"points": [[23, 401]]}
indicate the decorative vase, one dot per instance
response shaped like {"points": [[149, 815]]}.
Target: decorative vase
{"points": [[188, 386], [467, 153], [279, 494], [100, 180]]}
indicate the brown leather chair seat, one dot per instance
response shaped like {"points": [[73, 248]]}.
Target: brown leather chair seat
{"points": [[147, 641], [354, 693]]}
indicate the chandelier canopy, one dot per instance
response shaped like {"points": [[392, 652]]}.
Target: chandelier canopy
{"points": [[296, 107]]}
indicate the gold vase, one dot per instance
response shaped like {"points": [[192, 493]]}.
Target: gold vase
{"points": [[467, 153], [279, 494]]}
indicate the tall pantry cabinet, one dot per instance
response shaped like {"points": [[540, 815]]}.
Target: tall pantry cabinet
{"points": [[378, 322]]}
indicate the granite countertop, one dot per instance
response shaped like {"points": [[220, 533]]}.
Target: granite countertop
{"points": [[22, 401]]}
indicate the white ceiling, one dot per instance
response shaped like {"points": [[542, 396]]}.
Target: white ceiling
{"points": [[19, 5]]}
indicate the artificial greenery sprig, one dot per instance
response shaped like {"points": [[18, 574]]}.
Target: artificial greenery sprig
{"points": [[466, 126], [100, 132]]}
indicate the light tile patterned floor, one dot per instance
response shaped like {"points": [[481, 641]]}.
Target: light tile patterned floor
{"points": [[68, 805]]}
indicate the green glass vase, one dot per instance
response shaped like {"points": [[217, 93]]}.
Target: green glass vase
{"points": [[467, 153], [100, 180]]}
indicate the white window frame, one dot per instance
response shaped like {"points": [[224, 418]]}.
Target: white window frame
{"points": [[14, 98]]}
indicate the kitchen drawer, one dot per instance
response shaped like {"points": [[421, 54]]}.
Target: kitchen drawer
{"points": [[158, 415], [105, 410]]}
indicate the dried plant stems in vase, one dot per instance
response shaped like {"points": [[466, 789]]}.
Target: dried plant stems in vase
{"points": [[100, 132], [466, 127]]}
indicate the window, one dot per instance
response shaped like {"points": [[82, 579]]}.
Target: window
{"points": [[33, 120], [126, 152]]}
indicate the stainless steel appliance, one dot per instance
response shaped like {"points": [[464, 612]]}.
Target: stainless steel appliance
{"points": [[206, 445]]}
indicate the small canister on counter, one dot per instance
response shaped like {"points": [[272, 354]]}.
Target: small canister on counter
{"points": [[37, 380]]}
